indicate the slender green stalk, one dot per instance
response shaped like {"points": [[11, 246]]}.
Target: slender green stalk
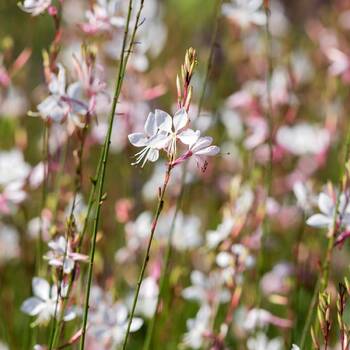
{"points": [[57, 323], [46, 137], [105, 151], [147, 255]]}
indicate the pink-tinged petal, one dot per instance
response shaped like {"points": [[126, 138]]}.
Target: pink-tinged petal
{"points": [[203, 142], [325, 204], [189, 136], [32, 306], [151, 125], [41, 288], [153, 155], [164, 121], [180, 119], [319, 220], [78, 256], [137, 139], [208, 151]]}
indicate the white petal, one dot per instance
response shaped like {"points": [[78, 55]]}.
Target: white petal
{"points": [[189, 136], [136, 324], [319, 220], [151, 125], [180, 119], [32, 306], [325, 204], [41, 288], [208, 151], [192, 293], [197, 278], [153, 155], [137, 139], [164, 120], [203, 142]]}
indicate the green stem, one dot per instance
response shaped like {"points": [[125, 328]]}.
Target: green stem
{"points": [[147, 255], [105, 152]]}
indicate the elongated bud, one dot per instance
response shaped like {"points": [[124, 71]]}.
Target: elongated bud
{"points": [[178, 87], [188, 98]]}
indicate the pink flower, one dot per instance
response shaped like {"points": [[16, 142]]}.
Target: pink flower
{"points": [[34, 7]]}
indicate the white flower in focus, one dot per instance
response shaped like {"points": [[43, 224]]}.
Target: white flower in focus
{"points": [[327, 206], [245, 12], [34, 7], [303, 139], [261, 342], [61, 255], [197, 328], [199, 148], [152, 140], [43, 304], [206, 290]]}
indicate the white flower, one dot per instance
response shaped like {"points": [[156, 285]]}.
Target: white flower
{"points": [[13, 168], [102, 17], [152, 140], [61, 255], [199, 148], [9, 243], [147, 299], [261, 342], [63, 101], [197, 328], [206, 290], [340, 62], [303, 139], [245, 12], [173, 127], [35, 7], [327, 207], [108, 322], [43, 304], [295, 347]]}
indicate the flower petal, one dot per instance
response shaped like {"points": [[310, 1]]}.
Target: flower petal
{"points": [[137, 139], [180, 119], [208, 151], [164, 120], [189, 136], [41, 288], [151, 125], [325, 204], [319, 220], [32, 306]]}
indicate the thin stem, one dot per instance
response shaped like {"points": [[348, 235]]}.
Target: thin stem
{"points": [[147, 255], [56, 326], [43, 195], [105, 152], [164, 275]]}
